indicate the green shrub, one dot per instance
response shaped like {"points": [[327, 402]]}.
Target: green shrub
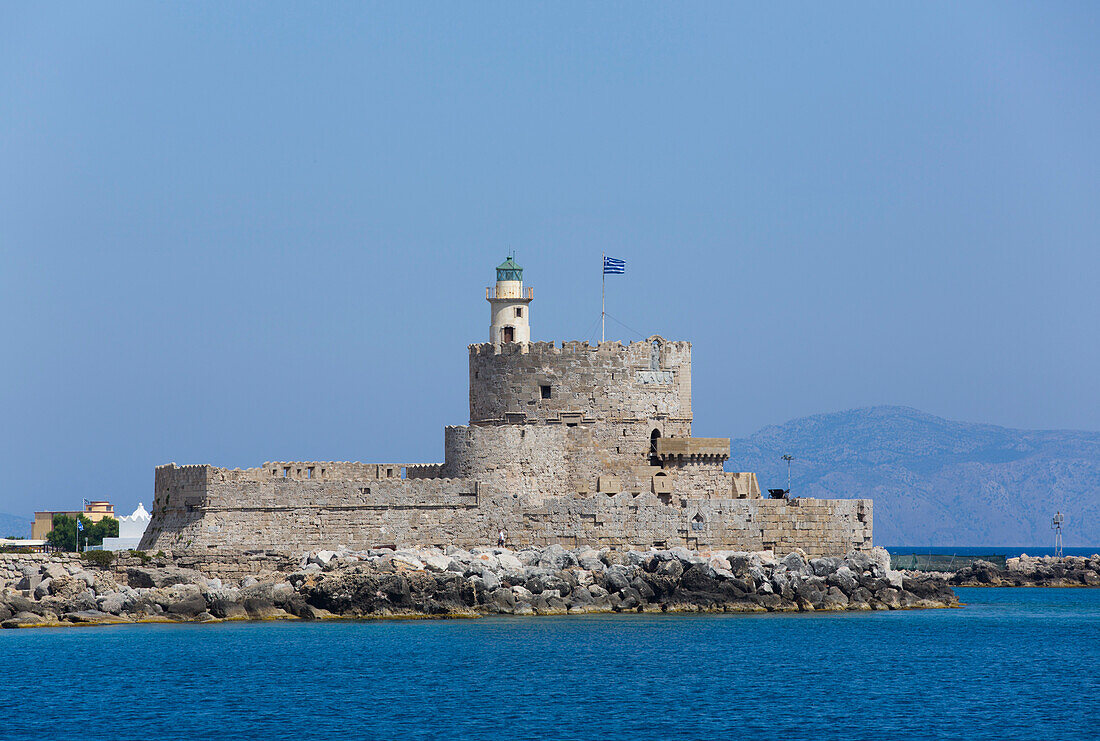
{"points": [[102, 559]]}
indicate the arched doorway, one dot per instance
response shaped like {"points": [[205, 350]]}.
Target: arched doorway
{"points": [[653, 437]]}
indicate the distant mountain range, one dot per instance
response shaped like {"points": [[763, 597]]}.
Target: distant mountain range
{"points": [[14, 525], [936, 482]]}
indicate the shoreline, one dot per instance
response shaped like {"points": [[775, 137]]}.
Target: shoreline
{"points": [[64, 590]]}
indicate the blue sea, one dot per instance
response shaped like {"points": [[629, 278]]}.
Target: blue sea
{"points": [[1009, 551], [1012, 664]]}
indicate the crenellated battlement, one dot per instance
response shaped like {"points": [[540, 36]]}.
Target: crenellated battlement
{"points": [[575, 347]]}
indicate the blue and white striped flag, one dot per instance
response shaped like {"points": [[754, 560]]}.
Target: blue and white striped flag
{"points": [[613, 266], [79, 525]]}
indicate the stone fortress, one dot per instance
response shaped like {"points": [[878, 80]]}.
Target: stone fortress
{"points": [[572, 444]]}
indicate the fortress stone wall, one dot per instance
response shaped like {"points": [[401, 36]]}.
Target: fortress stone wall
{"points": [[572, 444], [233, 513]]}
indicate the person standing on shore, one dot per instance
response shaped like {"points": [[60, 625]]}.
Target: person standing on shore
{"points": [[500, 539]]}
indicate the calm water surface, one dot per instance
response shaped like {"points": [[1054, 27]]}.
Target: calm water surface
{"points": [[1015, 663]]}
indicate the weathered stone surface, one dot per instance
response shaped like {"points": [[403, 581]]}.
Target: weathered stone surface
{"points": [[548, 581], [607, 458], [1030, 571]]}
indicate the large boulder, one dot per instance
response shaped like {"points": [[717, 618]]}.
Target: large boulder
{"points": [[438, 563], [95, 617], [147, 577], [795, 561], [834, 599], [502, 600], [187, 601], [589, 559], [615, 579], [556, 557], [825, 566], [844, 578]]}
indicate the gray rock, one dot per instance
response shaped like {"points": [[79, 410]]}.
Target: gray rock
{"points": [[556, 557], [889, 597], [613, 558], [581, 596], [615, 579], [794, 562], [43, 588], [227, 609], [93, 616], [825, 566], [682, 554], [146, 577], [502, 600], [487, 582], [457, 567], [844, 578], [186, 601], [115, 603], [834, 599], [321, 558], [741, 564], [590, 559], [29, 582], [54, 571]]}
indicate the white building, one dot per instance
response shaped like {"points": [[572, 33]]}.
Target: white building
{"points": [[130, 530]]}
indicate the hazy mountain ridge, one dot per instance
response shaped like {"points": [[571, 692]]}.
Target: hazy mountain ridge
{"points": [[14, 525], [936, 481]]}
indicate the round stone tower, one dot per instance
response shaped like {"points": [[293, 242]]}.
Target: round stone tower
{"points": [[509, 304]]}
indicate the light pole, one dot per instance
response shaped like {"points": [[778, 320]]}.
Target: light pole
{"points": [[788, 457], [1056, 523]]}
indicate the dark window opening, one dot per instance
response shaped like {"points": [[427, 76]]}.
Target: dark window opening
{"points": [[653, 438], [544, 392], [519, 312]]}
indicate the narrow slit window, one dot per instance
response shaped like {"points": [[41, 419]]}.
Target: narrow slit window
{"points": [[519, 312], [544, 391]]}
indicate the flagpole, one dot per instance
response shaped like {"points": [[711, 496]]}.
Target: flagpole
{"points": [[603, 297]]}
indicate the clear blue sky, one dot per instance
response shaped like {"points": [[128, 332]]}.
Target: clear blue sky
{"points": [[233, 233]]}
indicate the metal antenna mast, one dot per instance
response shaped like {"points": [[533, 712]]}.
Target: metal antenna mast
{"points": [[1056, 523], [788, 457]]}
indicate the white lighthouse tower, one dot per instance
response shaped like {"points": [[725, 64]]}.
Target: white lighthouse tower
{"points": [[509, 304]]}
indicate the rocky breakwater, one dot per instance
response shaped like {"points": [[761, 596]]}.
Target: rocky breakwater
{"points": [[1032, 571], [554, 580], [455, 582]]}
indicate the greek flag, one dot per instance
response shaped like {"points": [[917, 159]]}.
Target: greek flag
{"points": [[79, 525], [613, 266]]}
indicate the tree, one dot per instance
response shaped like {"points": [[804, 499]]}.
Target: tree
{"points": [[63, 535]]}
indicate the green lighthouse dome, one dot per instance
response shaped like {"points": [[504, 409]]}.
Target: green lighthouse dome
{"points": [[508, 270]]}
